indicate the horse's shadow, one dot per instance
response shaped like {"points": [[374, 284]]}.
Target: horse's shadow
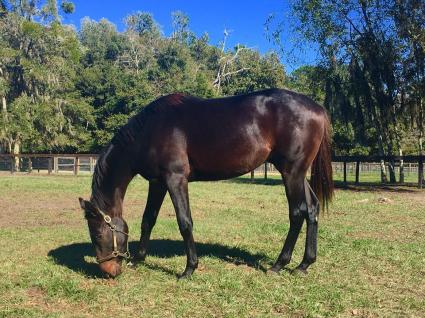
{"points": [[72, 256]]}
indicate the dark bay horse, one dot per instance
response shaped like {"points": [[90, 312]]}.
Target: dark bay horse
{"points": [[177, 139]]}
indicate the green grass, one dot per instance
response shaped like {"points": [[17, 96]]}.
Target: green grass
{"points": [[371, 257]]}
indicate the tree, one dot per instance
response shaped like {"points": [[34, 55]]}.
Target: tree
{"points": [[41, 108], [409, 18], [181, 32], [310, 81], [30, 9], [363, 37]]}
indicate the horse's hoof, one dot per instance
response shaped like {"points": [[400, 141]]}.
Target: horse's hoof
{"points": [[275, 269], [186, 274], [136, 261]]}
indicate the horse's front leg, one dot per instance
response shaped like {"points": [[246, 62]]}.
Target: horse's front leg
{"points": [[156, 196], [178, 188]]}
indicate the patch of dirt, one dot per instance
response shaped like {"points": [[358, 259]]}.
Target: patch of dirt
{"points": [[35, 293], [418, 196], [362, 313], [26, 209], [37, 299], [385, 200], [281, 309], [33, 209]]}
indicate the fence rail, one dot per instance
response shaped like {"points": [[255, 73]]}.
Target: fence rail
{"points": [[77, 163], [396, 161], [50, 163]]}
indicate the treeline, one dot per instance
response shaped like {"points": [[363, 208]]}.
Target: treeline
{"points": [[68, 91], [65, 90]]}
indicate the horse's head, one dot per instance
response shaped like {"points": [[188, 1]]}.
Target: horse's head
{"points": [[109, 237]]}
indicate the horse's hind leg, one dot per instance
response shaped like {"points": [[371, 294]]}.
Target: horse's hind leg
{"points": [[156, 196], [303, 204], [312, 225], [294, 185]]}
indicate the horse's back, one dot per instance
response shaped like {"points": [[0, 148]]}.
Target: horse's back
{"points": [[225, 137]]}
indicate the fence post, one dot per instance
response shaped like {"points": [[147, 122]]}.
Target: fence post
{"points": [[29, 165], [401, 179], [49, 165], [345, 172], [76, 165], [91, 164], [55, 164], [357, 171], [421, 172], [12, 164]]}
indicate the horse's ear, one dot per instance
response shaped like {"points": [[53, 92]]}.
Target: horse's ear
{"points": [[89, 209], [82, 203]]}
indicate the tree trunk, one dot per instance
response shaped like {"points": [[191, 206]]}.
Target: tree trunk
{"points": [[3, 104], [421, 152], [391, 163], [400, 152], [401, 166], [391, 170], [4, 114], [384, 178], [16, 151]]}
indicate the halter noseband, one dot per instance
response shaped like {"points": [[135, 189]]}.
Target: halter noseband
{"points": [[115, 253]]}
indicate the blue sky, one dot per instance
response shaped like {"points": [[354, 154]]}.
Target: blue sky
{"points": [[245, 19]]}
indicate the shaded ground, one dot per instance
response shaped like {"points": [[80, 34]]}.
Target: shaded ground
{"points": [[72, 256]]}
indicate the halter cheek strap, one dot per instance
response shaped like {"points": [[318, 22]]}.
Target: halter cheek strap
{"points": [[115, 252]]}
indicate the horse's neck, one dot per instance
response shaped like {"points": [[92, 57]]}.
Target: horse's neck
{"points": [[112, 176]]}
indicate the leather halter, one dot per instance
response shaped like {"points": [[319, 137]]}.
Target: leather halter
{"points": [[115, 252]]}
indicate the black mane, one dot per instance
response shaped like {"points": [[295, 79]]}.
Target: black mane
{"points": [[128, 133], [98, 198]]}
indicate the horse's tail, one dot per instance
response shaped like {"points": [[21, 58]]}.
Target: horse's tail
{"points": [[321, 169]]}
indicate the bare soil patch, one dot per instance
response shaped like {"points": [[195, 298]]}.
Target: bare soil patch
{"points": [[29, 209]]}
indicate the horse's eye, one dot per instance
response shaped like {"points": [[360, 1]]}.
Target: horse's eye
{"points": [[98, 236]]}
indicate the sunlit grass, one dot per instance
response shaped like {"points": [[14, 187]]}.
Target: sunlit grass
{"points": [[370, 261]]}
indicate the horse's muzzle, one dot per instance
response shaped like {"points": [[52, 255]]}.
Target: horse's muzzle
{"points": [[111, 268]]}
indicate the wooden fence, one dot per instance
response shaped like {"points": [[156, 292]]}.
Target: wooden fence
{"points": [[403, 162], [50, 163], [77, 163]]}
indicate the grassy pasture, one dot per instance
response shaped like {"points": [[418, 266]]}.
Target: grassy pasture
{"points": [[371, 258]]}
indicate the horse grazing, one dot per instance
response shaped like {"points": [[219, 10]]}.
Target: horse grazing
{"points": [[177, 139]]}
